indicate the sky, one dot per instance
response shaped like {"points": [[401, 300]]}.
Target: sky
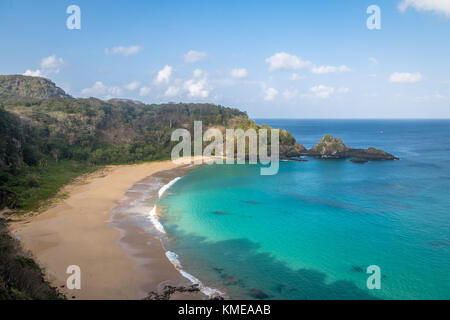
{"points": [[273, 59]]}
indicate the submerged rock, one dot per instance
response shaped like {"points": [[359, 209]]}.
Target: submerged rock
{"points": [[258, 294], [297, 159], [232, 281], [357, 268], [359, 160], [220, 213]]}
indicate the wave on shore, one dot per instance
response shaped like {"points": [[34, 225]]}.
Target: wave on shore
{"points": [[172, 256], [210, 292], [152, 214], [154, 219], [167, 186]]}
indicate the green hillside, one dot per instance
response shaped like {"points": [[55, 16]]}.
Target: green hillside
{"points": [[47, 137]]}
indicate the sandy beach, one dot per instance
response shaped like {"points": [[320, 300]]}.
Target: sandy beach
{"points": [[118, 260]]}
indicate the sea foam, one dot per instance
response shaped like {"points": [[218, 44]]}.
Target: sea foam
{"points": [[154, 219], [210, 292], [152, 215], [167, 186], [172, 256]]}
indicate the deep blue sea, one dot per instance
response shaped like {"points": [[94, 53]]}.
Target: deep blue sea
{"points": [[311, 231]]}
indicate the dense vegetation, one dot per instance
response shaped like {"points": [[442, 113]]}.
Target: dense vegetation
{"points": [[47, 137], [20, 277]]}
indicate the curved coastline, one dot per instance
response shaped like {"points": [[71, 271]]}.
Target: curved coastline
{"points": [[90, 228], [172, 256]]}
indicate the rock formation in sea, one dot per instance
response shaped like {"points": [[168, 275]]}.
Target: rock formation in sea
{"points": [[330, 147]]}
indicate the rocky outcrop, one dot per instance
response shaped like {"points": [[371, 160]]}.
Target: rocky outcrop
{"points": [[328, 147], [17, 86], [168, 291], [333, 148], [369, 154], [292, 151]]}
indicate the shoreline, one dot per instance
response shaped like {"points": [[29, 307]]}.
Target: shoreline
{"points": [[118, 258]]}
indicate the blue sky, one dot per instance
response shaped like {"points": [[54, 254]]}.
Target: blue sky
{"points": [[273, 59]]}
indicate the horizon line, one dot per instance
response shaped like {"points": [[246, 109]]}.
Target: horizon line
{"points": [[259, 118]]}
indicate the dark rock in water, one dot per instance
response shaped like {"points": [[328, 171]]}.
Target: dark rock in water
{"points": [[279, 288], [328, 146], [168, 291], [333, 148], [357, 268], [252, 202], [297, 159], [442, 243], [369, 154], [232, 281], [258, 294], [359, 160], [291, 151], [220, 213], [217, 298], [218, 270]]}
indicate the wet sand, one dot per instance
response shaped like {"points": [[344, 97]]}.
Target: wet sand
{"points": [[119, 257]]}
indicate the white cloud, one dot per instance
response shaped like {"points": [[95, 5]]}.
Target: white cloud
{"points": [[239, 73], [343, 90], [322, 91], [31, 73], [194, 56], [296, 76], [329, 69], [164, 75], [198, 86], [290, 94], [198, 73], [133, 85], [434, 97], [373, 60], [124, 51], [52, 64], [99, 89], [286, 61], [270, 94], [437, 6], [49, 65], [405, 77], [172, 91], [144, 91]]}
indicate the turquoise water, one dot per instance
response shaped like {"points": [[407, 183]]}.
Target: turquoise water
{"points": [[311, 231]]}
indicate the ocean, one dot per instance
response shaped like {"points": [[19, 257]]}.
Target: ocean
{"points": [[311, 231]]}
